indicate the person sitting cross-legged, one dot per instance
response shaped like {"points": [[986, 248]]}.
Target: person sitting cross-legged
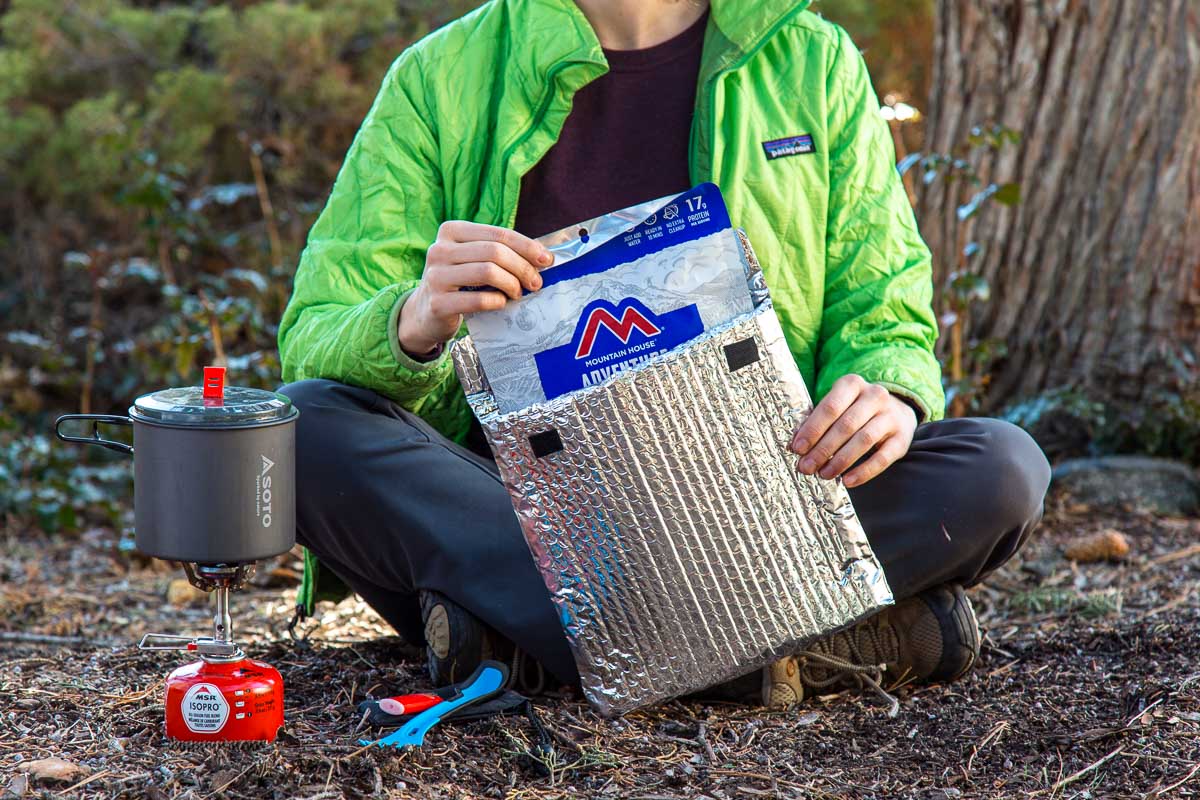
{"points": [[528, 115]]}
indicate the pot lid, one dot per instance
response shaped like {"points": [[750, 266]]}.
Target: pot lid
{"points": [[213, 405]]}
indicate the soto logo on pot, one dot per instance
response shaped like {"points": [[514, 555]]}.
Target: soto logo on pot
{"points": [[264, 492]]}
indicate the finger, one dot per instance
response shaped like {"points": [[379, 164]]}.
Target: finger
{"points": [[887, 454], [476, 273], [832, 406], [502, 256], [871, 435], [461, 231], [837, 435], [450, 304]]}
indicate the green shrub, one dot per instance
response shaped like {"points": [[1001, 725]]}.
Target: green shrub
{"points": [[134, 242]]}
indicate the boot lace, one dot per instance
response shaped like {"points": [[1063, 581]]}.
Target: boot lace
{"points": [[868, 648], [526, 674]]}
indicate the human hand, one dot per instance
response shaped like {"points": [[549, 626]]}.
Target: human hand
{"points": [[853, 418], [467, 254]]}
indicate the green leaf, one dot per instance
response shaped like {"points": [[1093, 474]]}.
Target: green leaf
{"points": [[1009, 194]]}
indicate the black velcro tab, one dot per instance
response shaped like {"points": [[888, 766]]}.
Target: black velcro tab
{"points": [[741, 354], [545, 443]]}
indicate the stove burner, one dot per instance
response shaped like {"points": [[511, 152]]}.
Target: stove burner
{"points": [[224, 696]]}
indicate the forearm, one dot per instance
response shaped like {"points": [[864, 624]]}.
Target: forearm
{"points": [[357, 344]]}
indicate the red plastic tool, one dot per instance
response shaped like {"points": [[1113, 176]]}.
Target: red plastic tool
{"points": [[408, 704]]}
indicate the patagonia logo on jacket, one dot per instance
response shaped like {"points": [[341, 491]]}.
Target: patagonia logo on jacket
{"points": [[788, 146]]}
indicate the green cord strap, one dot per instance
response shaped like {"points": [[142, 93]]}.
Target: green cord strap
{"points": [[317, 583]]}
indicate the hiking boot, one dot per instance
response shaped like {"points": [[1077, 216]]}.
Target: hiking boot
{"points": [[457, 642], [931, 637]]}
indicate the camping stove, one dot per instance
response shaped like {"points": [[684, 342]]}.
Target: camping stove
{"points": [[214, 477], [224, 696]]}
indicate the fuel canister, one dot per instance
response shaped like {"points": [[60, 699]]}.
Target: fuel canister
{"points": [[230, 701]]}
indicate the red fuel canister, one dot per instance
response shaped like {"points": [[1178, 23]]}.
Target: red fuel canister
{"points": [[230, 701]]}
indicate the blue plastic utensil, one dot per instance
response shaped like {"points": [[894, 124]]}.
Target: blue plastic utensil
{"points": [[487, 681]]}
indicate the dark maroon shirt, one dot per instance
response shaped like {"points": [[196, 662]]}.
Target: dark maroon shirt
{"points": [[625, 140]]}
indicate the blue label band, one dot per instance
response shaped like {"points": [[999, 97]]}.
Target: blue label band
{"points": [[698, 212], [609, 339], [790, 146]]}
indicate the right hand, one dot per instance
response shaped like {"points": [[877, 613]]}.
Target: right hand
{"points": [[467, 254]]}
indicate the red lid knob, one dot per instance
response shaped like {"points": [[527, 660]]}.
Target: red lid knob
{"points": [[214, 383]]}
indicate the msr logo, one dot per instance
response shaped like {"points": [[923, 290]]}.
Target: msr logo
{"points": [[631, 319], [264, 483]]}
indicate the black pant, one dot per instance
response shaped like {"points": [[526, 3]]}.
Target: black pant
{"points": [[393, 507]]}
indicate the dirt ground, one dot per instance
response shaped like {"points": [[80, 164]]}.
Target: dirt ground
{"points": [[1089, 686]]}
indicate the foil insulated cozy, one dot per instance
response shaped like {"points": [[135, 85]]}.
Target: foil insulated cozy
{"points": [[679, 543]]}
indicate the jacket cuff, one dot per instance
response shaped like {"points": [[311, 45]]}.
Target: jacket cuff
{"points": [[910, 373], [909, 399], [403, 358]]}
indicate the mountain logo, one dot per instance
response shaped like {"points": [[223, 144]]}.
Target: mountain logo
{"points": [[601, 316], [611, 338]]}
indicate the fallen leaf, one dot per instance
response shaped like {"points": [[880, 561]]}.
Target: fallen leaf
{"points": [[1105, 545], [180, 593], [53, 769], [222, 778], [18, 786]]}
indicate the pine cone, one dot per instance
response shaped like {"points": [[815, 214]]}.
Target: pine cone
{"points": [[1106, 545]]}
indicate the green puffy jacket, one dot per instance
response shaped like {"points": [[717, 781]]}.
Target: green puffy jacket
{"points": [[468, 110]]}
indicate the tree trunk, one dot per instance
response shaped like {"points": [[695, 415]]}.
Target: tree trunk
{"points": [[1095, 274]]}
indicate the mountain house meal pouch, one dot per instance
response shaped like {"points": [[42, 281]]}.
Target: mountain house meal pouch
{"points": [[624, 287]]}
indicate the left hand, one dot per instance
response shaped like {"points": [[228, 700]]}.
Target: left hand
{"points": [[853, 418]]}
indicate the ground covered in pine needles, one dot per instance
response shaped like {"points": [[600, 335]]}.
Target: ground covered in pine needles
{"points": [[1089, 686]]}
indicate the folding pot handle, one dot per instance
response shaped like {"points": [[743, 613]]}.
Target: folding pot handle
{"points": [[95, 438]]}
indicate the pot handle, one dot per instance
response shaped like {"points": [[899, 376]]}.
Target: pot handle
{"points": [[95, 438]]}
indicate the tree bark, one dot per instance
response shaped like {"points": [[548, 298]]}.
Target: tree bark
{"points": [[1095, 274]]}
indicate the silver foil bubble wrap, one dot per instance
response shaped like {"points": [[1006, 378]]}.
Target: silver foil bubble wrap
{"points": [[679, 543]]}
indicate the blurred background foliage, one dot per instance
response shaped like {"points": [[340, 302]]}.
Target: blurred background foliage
{"points": [[896, 37], [160, 164]]}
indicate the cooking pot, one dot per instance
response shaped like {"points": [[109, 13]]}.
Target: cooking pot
{"points": [[213, 470]]}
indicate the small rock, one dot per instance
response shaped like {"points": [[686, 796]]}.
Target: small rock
{"points": [[181, 594], [1153, 484], [53, 769]]}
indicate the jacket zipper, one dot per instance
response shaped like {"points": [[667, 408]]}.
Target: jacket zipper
{"points": [[539, 115], [711, 86]]}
